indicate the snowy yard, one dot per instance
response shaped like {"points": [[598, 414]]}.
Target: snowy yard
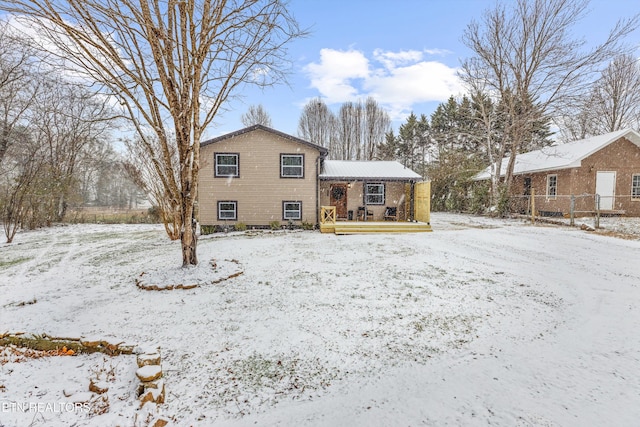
{"points": [[480, 322]]}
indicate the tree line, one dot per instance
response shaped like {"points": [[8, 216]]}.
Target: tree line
{"points": [[56, 146]]}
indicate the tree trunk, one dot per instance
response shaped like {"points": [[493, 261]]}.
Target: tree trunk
{"points": [[188, 237]]}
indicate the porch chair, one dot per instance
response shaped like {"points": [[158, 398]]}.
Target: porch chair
{"points": [[391, 213], [361, 214]]}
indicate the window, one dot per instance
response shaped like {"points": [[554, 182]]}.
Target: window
{"points": [[374, 194], [227, 164], [227, 210], [292, 165], [635, 186], [291, 210], [552, 186]]}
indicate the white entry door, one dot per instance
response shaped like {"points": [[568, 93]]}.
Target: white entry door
{"points": [[606, 188]]}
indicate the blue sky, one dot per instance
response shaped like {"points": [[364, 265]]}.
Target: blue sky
{"points": [[404, 53]]}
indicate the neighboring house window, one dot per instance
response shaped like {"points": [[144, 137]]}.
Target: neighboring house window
{"points": [[227, 164], [292, 165], [228, 211], [374, 194], [552, 186], [291, 210], [635, 186]]}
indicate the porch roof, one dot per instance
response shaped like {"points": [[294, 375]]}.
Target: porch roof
{"points": [[369, 170]]}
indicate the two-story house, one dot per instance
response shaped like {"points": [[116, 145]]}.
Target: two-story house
{"points": [[258, 176]]}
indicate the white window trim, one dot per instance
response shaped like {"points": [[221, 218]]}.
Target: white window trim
{"points": [[235, 210], [301, 166], [550, 196], [284, 210], [634, 176], [237, 165], [367, 195]]}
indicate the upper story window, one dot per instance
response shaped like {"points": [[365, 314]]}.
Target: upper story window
{"points": [[227, 164], [374, 194], [291, 165], [552, 186], [635, 186]]}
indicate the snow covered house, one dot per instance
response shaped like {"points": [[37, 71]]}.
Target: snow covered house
{"points": [[258, 176], [607, 165]]}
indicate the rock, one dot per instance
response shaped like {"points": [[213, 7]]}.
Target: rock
{"points": [[98, 387], [148, 359], [149, 373], [157, 384], [587, 228], [159, 422], [152, 395]]}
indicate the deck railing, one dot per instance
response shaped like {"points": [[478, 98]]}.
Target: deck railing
{"points": [[327, 214]]}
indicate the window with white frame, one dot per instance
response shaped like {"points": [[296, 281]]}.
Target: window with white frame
{"points": [[635, 186], [227, 164], [374, 194], [228, 210], [291, 210], [292, 165], [552, 186]]}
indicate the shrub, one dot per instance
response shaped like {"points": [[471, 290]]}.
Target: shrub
{"points": [[274, 225], [207, 229], [307, 226], [241, 226]]}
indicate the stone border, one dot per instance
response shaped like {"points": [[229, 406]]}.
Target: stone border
{"points": [[47, 342], [214, 265]]}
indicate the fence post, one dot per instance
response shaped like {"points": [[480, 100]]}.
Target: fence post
{"points": [[597, 218], [572, 211], [533, 206]]}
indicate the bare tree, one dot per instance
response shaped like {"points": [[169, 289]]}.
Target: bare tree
{"points": [[21, 169], [256, 115], [615, 100], [317, 124], [172, 65], [140, 167], [17, 88], [526, 58]]}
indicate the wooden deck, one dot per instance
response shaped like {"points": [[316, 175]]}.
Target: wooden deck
{"points": [[364, 227]]}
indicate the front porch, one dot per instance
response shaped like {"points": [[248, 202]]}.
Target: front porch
{"points": [[329, 224]]}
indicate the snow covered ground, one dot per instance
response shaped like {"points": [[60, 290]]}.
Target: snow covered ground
{"points": [[481, 322]]}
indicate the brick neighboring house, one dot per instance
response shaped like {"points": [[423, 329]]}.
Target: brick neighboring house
{"points": [[608, 165], [259, 175]]}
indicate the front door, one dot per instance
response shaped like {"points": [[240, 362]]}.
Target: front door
{"points": [[338, 198], [606, 188]]}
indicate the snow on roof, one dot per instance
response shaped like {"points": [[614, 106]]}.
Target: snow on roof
{"points": [[561, 156], [348, 169]]}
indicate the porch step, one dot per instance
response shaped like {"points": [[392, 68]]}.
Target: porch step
{"points": [[362, 227]]}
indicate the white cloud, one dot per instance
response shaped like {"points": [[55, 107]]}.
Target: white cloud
{"points": [[397, 80], [335, 72]]}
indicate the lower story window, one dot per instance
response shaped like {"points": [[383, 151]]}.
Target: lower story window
{"points": [[291, 210], [374, 194], [635, 186], [227, 210]]}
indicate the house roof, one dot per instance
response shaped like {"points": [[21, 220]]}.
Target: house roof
{"points": [[375, 169], [561, 156], [323, 151]]}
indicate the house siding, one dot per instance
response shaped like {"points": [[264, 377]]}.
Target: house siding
{"points": [[621, 157], [259, 190]]}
